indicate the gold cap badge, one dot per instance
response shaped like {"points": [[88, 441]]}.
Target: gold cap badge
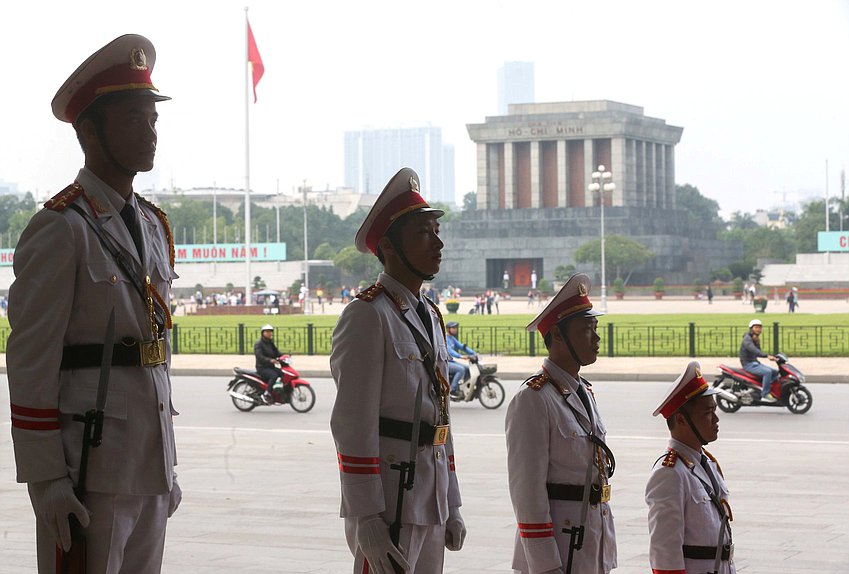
{"points": [[138, 61]]}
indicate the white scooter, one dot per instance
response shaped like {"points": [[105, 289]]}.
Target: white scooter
{"points": [[481, 384]]}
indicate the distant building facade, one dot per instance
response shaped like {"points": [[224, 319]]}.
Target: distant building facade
{"points": [[534, 210], [515, 85], [373, 156]]}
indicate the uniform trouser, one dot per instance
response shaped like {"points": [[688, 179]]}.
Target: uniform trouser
{"points": [[126, 535], [424, 547], [269, 375]]}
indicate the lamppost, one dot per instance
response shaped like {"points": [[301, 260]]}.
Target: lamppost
{"points": [[601, 183]]}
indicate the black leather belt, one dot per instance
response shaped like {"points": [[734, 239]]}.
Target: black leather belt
{"points": [[705, 552], [125, 354], [402, 430], [573, 492]]}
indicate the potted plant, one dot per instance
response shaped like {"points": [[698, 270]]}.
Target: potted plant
{"points": [[619, 287], [737, 288], [452, 305], [698, 287], [760, 304], [659, 286]]}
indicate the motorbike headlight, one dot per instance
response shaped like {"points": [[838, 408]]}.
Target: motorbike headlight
{"points": [[801, 378]]}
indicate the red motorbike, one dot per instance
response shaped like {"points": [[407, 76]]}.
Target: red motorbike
{"points": [[740, 388], [247, 387]]}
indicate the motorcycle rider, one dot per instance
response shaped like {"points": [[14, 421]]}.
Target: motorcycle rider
{"points": [[456, 350], [267, 363], [750, 350]]}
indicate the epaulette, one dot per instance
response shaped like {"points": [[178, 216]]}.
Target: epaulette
{"points": [[670, 459], [371, 292], [64, 198], [713, 458], [538, 381], [161, 215]]}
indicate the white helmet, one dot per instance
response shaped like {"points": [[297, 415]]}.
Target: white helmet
{"points": [[267, 327], [754, 322]]}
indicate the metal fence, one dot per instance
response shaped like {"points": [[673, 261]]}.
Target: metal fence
{"points": [[616, 340]]}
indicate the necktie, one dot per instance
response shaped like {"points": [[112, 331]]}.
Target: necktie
{"points": [[128, 214], [425, 317], [582, 394], [706, 466]]}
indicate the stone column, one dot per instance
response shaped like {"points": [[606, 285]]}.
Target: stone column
{"points": [[651, 179], [670, 175], [487, 160], [509, 177], [617, 170], [535, 175], [660, 163], [589, 167], [562, 173], [640, 165]]}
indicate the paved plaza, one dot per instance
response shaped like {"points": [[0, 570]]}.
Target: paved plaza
{"points": [[789, 477]]}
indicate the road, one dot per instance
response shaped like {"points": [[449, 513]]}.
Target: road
{"points": [[789, 477]]}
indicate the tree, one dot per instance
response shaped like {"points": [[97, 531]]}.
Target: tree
{"points": [[563, 272], [324, 251], [259, 284], [470, 201], [358, 265], [810, 222], [620, 253], [702, 212]]}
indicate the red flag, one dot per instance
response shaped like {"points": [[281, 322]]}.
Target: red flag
{"points": [[255, 59]]}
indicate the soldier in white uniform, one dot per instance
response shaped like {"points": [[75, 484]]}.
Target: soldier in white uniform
{"points": [[557, 461], [388, 345], [686, 493], [67, 282]]}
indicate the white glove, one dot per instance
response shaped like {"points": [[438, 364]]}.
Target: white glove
{"points": [[175, 498], [52, 501], [373, 539], [455, 529]]}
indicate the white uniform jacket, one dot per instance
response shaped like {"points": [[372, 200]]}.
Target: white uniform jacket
{"points": [[547, 444], [377, 367], [681, 512], [66, 284]]}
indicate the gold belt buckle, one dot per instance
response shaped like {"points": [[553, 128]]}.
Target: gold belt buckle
{"points": [[152, 352], [440, 435], [605, 493]]}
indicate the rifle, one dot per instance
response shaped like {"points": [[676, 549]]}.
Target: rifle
{"points": [[74, 560], [407, 477]]}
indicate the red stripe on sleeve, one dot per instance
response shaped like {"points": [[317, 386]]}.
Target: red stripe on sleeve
{"points": [[359, 469], [656, 571], [540, 534], [35, 413], [358, 459], [35, 425], [535, 525]]}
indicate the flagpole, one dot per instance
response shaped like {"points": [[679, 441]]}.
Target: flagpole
{"points": [[248, 294]]}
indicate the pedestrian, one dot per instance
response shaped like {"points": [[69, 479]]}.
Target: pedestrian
{"points": [[389, 362], [558, 464], [534, 279], [495, 300], [792, 300], [709, 295], [489, 298], [97, 248], [689, 509], [505, 280]]}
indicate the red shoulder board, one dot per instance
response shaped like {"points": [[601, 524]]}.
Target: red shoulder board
{"points": [[538, 381], [64, 198], [370, 293], [670, 459]]}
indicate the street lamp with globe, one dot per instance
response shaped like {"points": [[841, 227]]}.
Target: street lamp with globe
{"points": [[602, 183]]}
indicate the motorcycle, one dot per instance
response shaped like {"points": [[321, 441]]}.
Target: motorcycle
{"points": [[481, 384], [247, 387], [740, 388]]}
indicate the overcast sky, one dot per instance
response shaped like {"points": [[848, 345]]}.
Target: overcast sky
{"points": [[760, 87]]}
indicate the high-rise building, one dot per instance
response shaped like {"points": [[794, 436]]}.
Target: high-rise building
{"points": [[372, 157], [515, 85]]}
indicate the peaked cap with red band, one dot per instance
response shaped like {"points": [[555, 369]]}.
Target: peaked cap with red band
{"points": [[122, 65], [400, 197], [573, 300], [688, 386]]}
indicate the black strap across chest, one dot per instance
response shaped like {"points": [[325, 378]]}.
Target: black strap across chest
{"points": [[123, 263]]}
